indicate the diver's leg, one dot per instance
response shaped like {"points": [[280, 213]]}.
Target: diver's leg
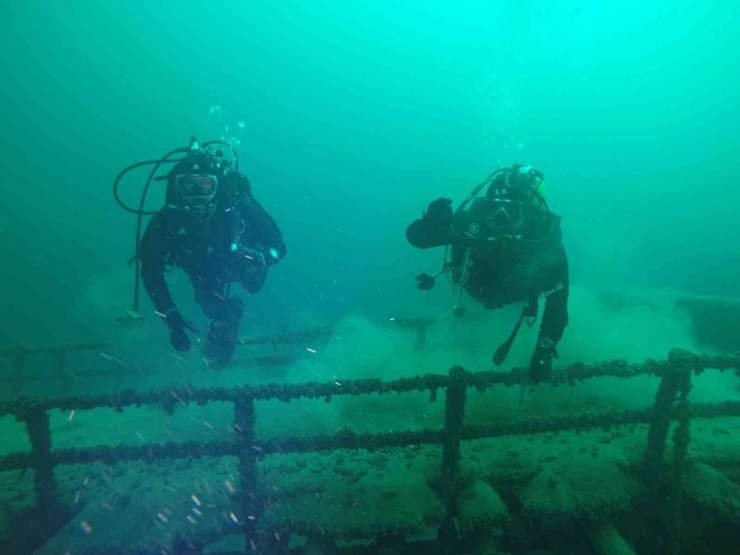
{"points": [[225, 325], [226, 313], [208, 289], [211, 300], [221, 339], [211, 294]]}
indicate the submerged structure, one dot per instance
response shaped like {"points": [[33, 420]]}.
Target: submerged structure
{"points": [[664, 479]]}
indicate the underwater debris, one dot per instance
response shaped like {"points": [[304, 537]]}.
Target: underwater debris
{"points": [[85, 527]]}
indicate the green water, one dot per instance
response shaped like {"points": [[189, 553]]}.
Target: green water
{"points": [[350, 117], [355, 117]]}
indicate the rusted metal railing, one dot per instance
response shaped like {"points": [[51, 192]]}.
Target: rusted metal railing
{"points": [[17, 377], [62, 375], [675, 373]]}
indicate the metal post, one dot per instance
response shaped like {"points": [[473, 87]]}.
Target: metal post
{"points": [[681, 439], [37, 425], [454, 417], [663, 486], [244, 424], [16, 379], [660, 422]]}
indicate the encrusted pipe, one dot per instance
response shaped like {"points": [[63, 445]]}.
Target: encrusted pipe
{"points": [[37, 425], [312, 390], [247, 452], [663, 485], [681, 439], [454, 417], [660, 422]]}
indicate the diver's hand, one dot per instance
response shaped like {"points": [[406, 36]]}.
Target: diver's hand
{"points": [[177, 324], [439, 210], [540, 366]]}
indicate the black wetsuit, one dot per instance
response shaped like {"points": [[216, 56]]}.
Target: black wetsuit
{"points": [[174, 238], [500, 275]]}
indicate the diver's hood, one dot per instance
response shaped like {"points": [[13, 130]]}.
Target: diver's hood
{"points": [[198, 163]]}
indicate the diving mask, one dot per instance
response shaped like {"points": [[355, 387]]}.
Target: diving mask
{"points": [[505, 212], [191, 185]]}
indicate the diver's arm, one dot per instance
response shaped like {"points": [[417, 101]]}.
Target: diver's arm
{"points": [[555, 315], [261, 228], [152, 254], [554, 321], [434, 228], [262, 246]]}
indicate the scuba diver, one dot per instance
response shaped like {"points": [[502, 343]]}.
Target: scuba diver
{"points": [[214, 229], [505, 248]]}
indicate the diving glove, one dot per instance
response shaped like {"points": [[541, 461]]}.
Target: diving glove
{"points": [[177, 324], [425, 281], [540, 366]]}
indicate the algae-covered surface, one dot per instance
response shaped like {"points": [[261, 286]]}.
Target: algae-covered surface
{"points": [[349, 495], [359, 495]]}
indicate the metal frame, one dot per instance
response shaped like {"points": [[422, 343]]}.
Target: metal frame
{"points": [[671, 403]]}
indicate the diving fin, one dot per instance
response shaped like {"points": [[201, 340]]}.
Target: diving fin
{"points": [[529, 314], [499, 357], [131, 319], [221, 340]]}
